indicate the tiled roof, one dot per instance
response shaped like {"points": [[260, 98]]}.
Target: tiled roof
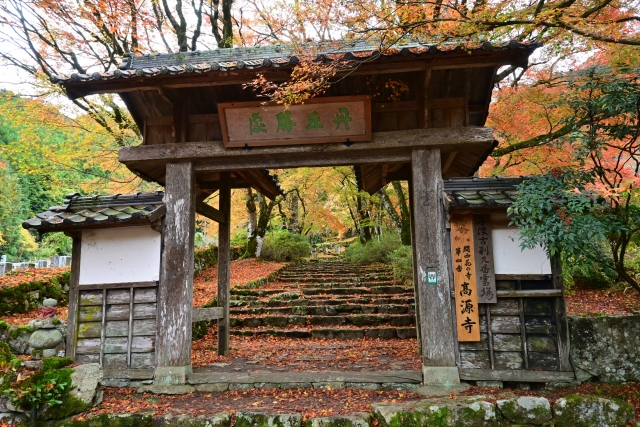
{"points": [[481, 192], [92, 211], [271, 56]]}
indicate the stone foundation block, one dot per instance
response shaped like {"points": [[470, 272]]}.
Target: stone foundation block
{"points": [[353, 420], [586, 411], [167, 389], [259, 419], [526, 410], [440, 375], [212, 388]]}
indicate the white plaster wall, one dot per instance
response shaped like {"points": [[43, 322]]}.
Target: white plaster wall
{"points": [[120, 255], [508, 258]]}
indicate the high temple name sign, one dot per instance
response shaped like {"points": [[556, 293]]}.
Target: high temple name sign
{"points": [[337, 119]]}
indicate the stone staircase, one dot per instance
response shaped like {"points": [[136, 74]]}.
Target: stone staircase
{"points": [[326, 299]]}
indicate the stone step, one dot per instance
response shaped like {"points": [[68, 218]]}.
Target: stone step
{"points": [[355, 290], [360, 290], [325, 300], [332, 333], [301, 278], [329, 285], [361, 320], [327, 310]]}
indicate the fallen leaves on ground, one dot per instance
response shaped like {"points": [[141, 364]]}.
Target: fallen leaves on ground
{"points": [[243, 271], [22, 319], [629, 392], [308, 402], [296, 354], [14, 278], [602, 302]]}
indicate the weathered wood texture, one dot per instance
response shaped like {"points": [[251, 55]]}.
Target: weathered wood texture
{"points": [[520, 333], [304, 155], [515, 376], [564, 343], [485, 273], [430, 233], [74, 281], [416, 291], [209, 313], [315, 121], [176, 277], [224, 264], [465, 279], [116, 325]]}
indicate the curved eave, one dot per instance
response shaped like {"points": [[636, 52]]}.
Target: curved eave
{"points": [[234, 72]]}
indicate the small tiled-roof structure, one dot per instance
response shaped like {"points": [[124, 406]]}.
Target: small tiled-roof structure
{"points": [[481, 192], [82, 212], [274, 56]]}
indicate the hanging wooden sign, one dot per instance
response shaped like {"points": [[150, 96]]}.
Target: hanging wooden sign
{"points": [[337, 119], [464, 277], [485, 272]]}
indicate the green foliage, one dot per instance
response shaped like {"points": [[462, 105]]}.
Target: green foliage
{"points": [[205, 258], [285, 246], [240, 240], [47, 387], [550, 213], [374, 251], [401, 261], [12, 299]]}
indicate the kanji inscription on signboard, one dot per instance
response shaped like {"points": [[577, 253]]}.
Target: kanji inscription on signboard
{"points": [[321, 120], [484, 260], [464, 277]]}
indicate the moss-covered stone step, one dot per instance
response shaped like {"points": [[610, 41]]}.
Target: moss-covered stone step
{"points": [[334, 278], [339, 300], [332, 333], [360, 290], [331, 285], [327, 310], [326, 320]]}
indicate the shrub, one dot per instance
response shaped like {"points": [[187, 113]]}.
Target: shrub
{"points": [[205, 258], [285, 246], [374, 251], [401, 261], [26, 295]]}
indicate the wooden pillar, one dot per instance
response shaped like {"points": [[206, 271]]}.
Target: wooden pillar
{"points": [[224, 259], [415, 269], [436, 325], [564, 345], [175, 300], [74, 281]]}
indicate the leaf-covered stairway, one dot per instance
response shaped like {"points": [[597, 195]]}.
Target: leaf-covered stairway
{"points": [[331, 299]]}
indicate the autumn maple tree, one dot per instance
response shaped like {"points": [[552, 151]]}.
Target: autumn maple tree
{"points": [[587, 209]]}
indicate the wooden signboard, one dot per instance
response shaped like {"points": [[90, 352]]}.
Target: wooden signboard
{"points": [[464, 277], [485, 272], [338, 119]]}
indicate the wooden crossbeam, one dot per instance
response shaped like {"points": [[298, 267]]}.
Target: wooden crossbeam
{"points": [[386, 147], [210, 212]]}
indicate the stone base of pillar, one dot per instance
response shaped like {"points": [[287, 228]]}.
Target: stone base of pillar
{"points": [[440, 375], [171, 375]]}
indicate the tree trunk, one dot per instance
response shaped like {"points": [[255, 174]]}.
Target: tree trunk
{"points": [[263, 220], [391, 211], [252, 240], [364, 220], [405, 216]]}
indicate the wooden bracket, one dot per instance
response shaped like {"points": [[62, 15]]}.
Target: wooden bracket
{"points": [[210, 212]]}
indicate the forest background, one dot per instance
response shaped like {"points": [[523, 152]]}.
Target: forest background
{"points": [[570, 118]]}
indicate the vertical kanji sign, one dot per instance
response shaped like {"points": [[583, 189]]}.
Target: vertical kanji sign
{"points": [[484, 260], [464, 277]]}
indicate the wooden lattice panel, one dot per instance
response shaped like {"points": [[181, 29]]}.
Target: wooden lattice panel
{"points": [[117, 327]]}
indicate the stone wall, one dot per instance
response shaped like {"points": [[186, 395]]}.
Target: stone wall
{"points": [[606, 348]]}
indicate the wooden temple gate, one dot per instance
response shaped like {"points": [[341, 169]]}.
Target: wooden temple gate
{"points": [[196, 140]]}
